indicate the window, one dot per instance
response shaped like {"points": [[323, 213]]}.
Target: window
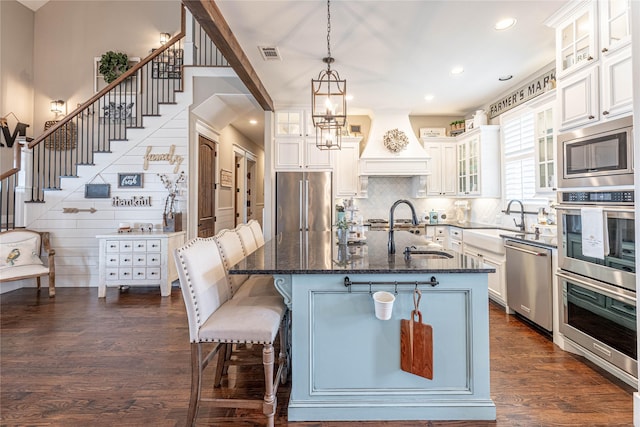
{"points": [[519, 157], [529, 153]]}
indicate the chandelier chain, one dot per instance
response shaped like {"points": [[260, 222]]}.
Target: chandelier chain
{"points": [[328, 34]]}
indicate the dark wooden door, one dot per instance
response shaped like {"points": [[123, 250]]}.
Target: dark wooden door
{"points": [[206, 187]]}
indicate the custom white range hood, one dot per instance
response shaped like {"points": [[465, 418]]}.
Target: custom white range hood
{"points": [[378, 160]]}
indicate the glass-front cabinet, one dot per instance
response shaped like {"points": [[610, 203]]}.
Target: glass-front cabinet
{"points": [[576, 40], [289, 123], [479, 149], [468, 160], [546, 151], [615, 26]]}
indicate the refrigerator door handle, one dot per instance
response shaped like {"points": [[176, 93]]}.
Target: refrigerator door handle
{"points": [[306, 205], [300, 204]]}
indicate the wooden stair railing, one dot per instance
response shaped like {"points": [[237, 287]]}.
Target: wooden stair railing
{"points": [[8, 185], [106, 116]]}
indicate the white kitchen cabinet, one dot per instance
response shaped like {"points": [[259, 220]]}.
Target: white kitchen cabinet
{"points": [[593, 85], [576, 40], [290, 123], [545, 150], [346, 168], [456, 239], [295, 143], [478, 159], [138, 258], [615, 25], [301, 153], [439, 234], [600, 92], [442, 180], [615, 90], [497, 280], [578, 96]]}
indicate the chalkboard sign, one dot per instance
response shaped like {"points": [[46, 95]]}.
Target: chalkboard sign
{"points": [[97, 191], [130, 180]]}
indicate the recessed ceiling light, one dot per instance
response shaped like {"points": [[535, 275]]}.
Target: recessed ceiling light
{"points": [[505, 78], [505, 23], [253, 121], [457, 70], [428, 97]]}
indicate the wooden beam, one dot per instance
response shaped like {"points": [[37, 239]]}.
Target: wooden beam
{"points": [[213, 23]]}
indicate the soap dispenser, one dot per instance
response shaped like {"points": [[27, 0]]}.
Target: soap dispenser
{"points": [[433, 217]]}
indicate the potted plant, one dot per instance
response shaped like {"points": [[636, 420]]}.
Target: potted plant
{"points": [[112, 65]]}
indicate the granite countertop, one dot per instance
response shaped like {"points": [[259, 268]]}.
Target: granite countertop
{"points": [[318, 253], [541, 240]]}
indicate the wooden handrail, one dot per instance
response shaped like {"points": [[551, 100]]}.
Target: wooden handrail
{"points": [[16, 162], [130, 72]]}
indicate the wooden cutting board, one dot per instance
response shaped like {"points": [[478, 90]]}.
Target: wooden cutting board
{"points": [[416, 346]]}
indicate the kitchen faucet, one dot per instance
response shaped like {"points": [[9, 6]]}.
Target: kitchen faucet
{"points": [[508, 211], [414, 219]]}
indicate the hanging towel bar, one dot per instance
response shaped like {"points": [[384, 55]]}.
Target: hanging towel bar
{"points": [[432, 282]]}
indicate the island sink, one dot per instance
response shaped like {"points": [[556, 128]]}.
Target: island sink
{"points": [[330, 320]]}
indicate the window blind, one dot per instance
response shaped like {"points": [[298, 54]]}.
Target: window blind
{"points": [[519, 157]]}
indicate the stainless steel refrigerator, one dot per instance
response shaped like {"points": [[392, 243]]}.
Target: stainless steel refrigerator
{"points": [[304, 201]]}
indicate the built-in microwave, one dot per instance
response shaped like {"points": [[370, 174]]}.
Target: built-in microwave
{"points": [[596, 156]]}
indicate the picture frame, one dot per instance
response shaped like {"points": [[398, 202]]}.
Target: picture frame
{"points": [[130, 180], [97, 191], [226, 178], [432, 132]]}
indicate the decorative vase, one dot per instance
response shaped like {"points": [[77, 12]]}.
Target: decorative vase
{"points": [[172, 222], [343, 234]]}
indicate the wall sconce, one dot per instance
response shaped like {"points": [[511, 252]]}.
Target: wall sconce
{"points": [[164, 37], [57, 106]]}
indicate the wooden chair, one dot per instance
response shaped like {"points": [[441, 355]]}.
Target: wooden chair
{"points": [[215, 317], [21, 257]]}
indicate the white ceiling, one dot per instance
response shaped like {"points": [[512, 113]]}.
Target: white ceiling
{"points": [[392, 53]]}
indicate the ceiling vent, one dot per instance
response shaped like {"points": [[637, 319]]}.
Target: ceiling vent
{"points": [[269, 53]]}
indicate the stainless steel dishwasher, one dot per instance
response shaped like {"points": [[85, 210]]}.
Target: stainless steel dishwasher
{"points": [[529, 282]]}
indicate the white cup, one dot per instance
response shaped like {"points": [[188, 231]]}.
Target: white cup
{"points": [[383, 303]]}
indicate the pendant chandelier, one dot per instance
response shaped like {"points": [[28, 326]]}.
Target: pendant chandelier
{"points": [[329, 136], [328, 100]]}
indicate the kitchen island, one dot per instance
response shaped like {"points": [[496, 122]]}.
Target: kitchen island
{"points": [[345, 361]]}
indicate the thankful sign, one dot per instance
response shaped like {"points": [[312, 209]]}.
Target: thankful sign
{"points": [[170, 157]]}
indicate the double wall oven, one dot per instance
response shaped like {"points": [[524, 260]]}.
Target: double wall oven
{"points": [[598, 291]]}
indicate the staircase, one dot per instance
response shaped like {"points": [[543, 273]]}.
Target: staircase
{"points": [[147, 109], [129, 103]]}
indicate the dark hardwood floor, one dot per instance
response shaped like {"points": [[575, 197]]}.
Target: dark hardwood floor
{"points": [[79, 361]]}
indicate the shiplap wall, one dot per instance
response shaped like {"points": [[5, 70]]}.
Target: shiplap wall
{"points": [[73, 235]]}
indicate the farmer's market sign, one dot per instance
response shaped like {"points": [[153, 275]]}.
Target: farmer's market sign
{"points": [[540, 85]]}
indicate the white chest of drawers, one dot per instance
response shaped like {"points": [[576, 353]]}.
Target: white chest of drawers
{"points": [[138, 258]]}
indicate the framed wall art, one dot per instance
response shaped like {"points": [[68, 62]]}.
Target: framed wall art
{"points": [[130, 180], [226, 178]]}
